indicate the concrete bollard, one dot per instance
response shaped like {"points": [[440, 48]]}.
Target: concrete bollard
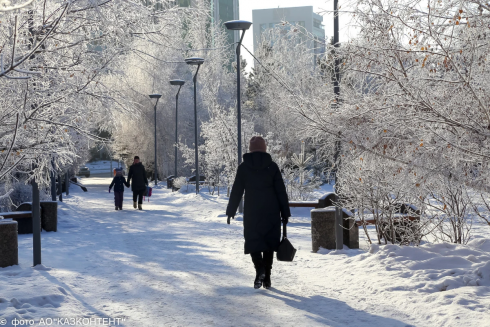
{"points": [[49, 216], [351, 230], [323, 229], [9, 248]]}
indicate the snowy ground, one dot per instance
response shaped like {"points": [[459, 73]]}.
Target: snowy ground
{"points": [[178, 263]]}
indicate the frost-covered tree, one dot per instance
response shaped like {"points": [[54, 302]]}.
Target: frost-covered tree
{"points": [[149, 70], [56, 60], [413, 102]]}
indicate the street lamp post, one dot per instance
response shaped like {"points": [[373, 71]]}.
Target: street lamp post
{"points": [[179, 83], [155, 96], [238, 25], [36, 224], [339, 236], [195, 62]]}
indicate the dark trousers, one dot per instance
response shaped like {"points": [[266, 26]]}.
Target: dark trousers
{"points": [[264, 260], [138, 196], [118, 199]]}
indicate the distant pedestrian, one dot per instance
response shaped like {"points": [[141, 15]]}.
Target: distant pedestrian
{"points": [[266, 205], [139, 182], [118, 182]]}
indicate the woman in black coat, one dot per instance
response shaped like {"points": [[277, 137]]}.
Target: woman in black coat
{"points": [[266, 205], [139, 182]]}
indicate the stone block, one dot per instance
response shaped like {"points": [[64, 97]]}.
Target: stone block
{"points": [[323, 228], [49, 216], [351, 230], [9, 248]]}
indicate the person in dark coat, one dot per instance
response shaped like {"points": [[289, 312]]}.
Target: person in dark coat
{"points": [[137, 174], [118, 182], [266, 205]]}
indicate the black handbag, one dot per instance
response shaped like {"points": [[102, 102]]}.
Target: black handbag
{"points": [[285, 251]]}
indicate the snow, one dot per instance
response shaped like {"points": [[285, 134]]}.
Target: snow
{"points": [[177, 263]]}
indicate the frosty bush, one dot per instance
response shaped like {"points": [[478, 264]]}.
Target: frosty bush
{"points": [[179, 182], [5, 201], [18, 193]]}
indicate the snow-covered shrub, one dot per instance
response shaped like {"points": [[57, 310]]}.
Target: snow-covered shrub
{"points": [[18, 193], [451, 212], [5, 201], [179, 182], [302, 181]]}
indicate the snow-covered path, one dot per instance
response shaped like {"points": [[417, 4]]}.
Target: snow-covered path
{"points": [[177, 263]]}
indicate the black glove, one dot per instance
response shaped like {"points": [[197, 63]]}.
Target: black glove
{"points": [[285, 220], [229, 217]]}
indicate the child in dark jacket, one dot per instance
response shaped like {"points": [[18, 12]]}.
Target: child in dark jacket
{"points": [[118, 182]]}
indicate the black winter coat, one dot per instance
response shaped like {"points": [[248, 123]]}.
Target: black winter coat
{"points": [[266, 201], [138, 174], [119, 182]]}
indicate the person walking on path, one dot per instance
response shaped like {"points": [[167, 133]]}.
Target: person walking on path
{"points": [[139, 182], [118, 182], [266, 205]]}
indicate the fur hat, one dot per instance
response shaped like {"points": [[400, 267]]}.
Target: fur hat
{"points": [[257, 144]]}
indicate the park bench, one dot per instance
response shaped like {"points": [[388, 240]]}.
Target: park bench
{"points": [[303, 204], [323, 202], [23, 216], [323, 223], [23, 219]]}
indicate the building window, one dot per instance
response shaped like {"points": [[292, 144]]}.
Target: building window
{"points": [[318, 24]]}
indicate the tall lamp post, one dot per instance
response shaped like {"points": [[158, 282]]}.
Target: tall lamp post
{"points": [[155, 96], [339, 236], [178, 82], [196, 62], [238, 25], [53, 181]]}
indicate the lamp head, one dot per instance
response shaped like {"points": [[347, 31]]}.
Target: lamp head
{"points": [[177, 82], [194, 61], [240, 25], [155, 96]]}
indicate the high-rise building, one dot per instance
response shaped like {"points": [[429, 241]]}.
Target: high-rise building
{"points": [[222, 11], [264, 19]]}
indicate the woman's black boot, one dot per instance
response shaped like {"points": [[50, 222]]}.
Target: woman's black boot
{"points": [[267, 279], [259, 277]]}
